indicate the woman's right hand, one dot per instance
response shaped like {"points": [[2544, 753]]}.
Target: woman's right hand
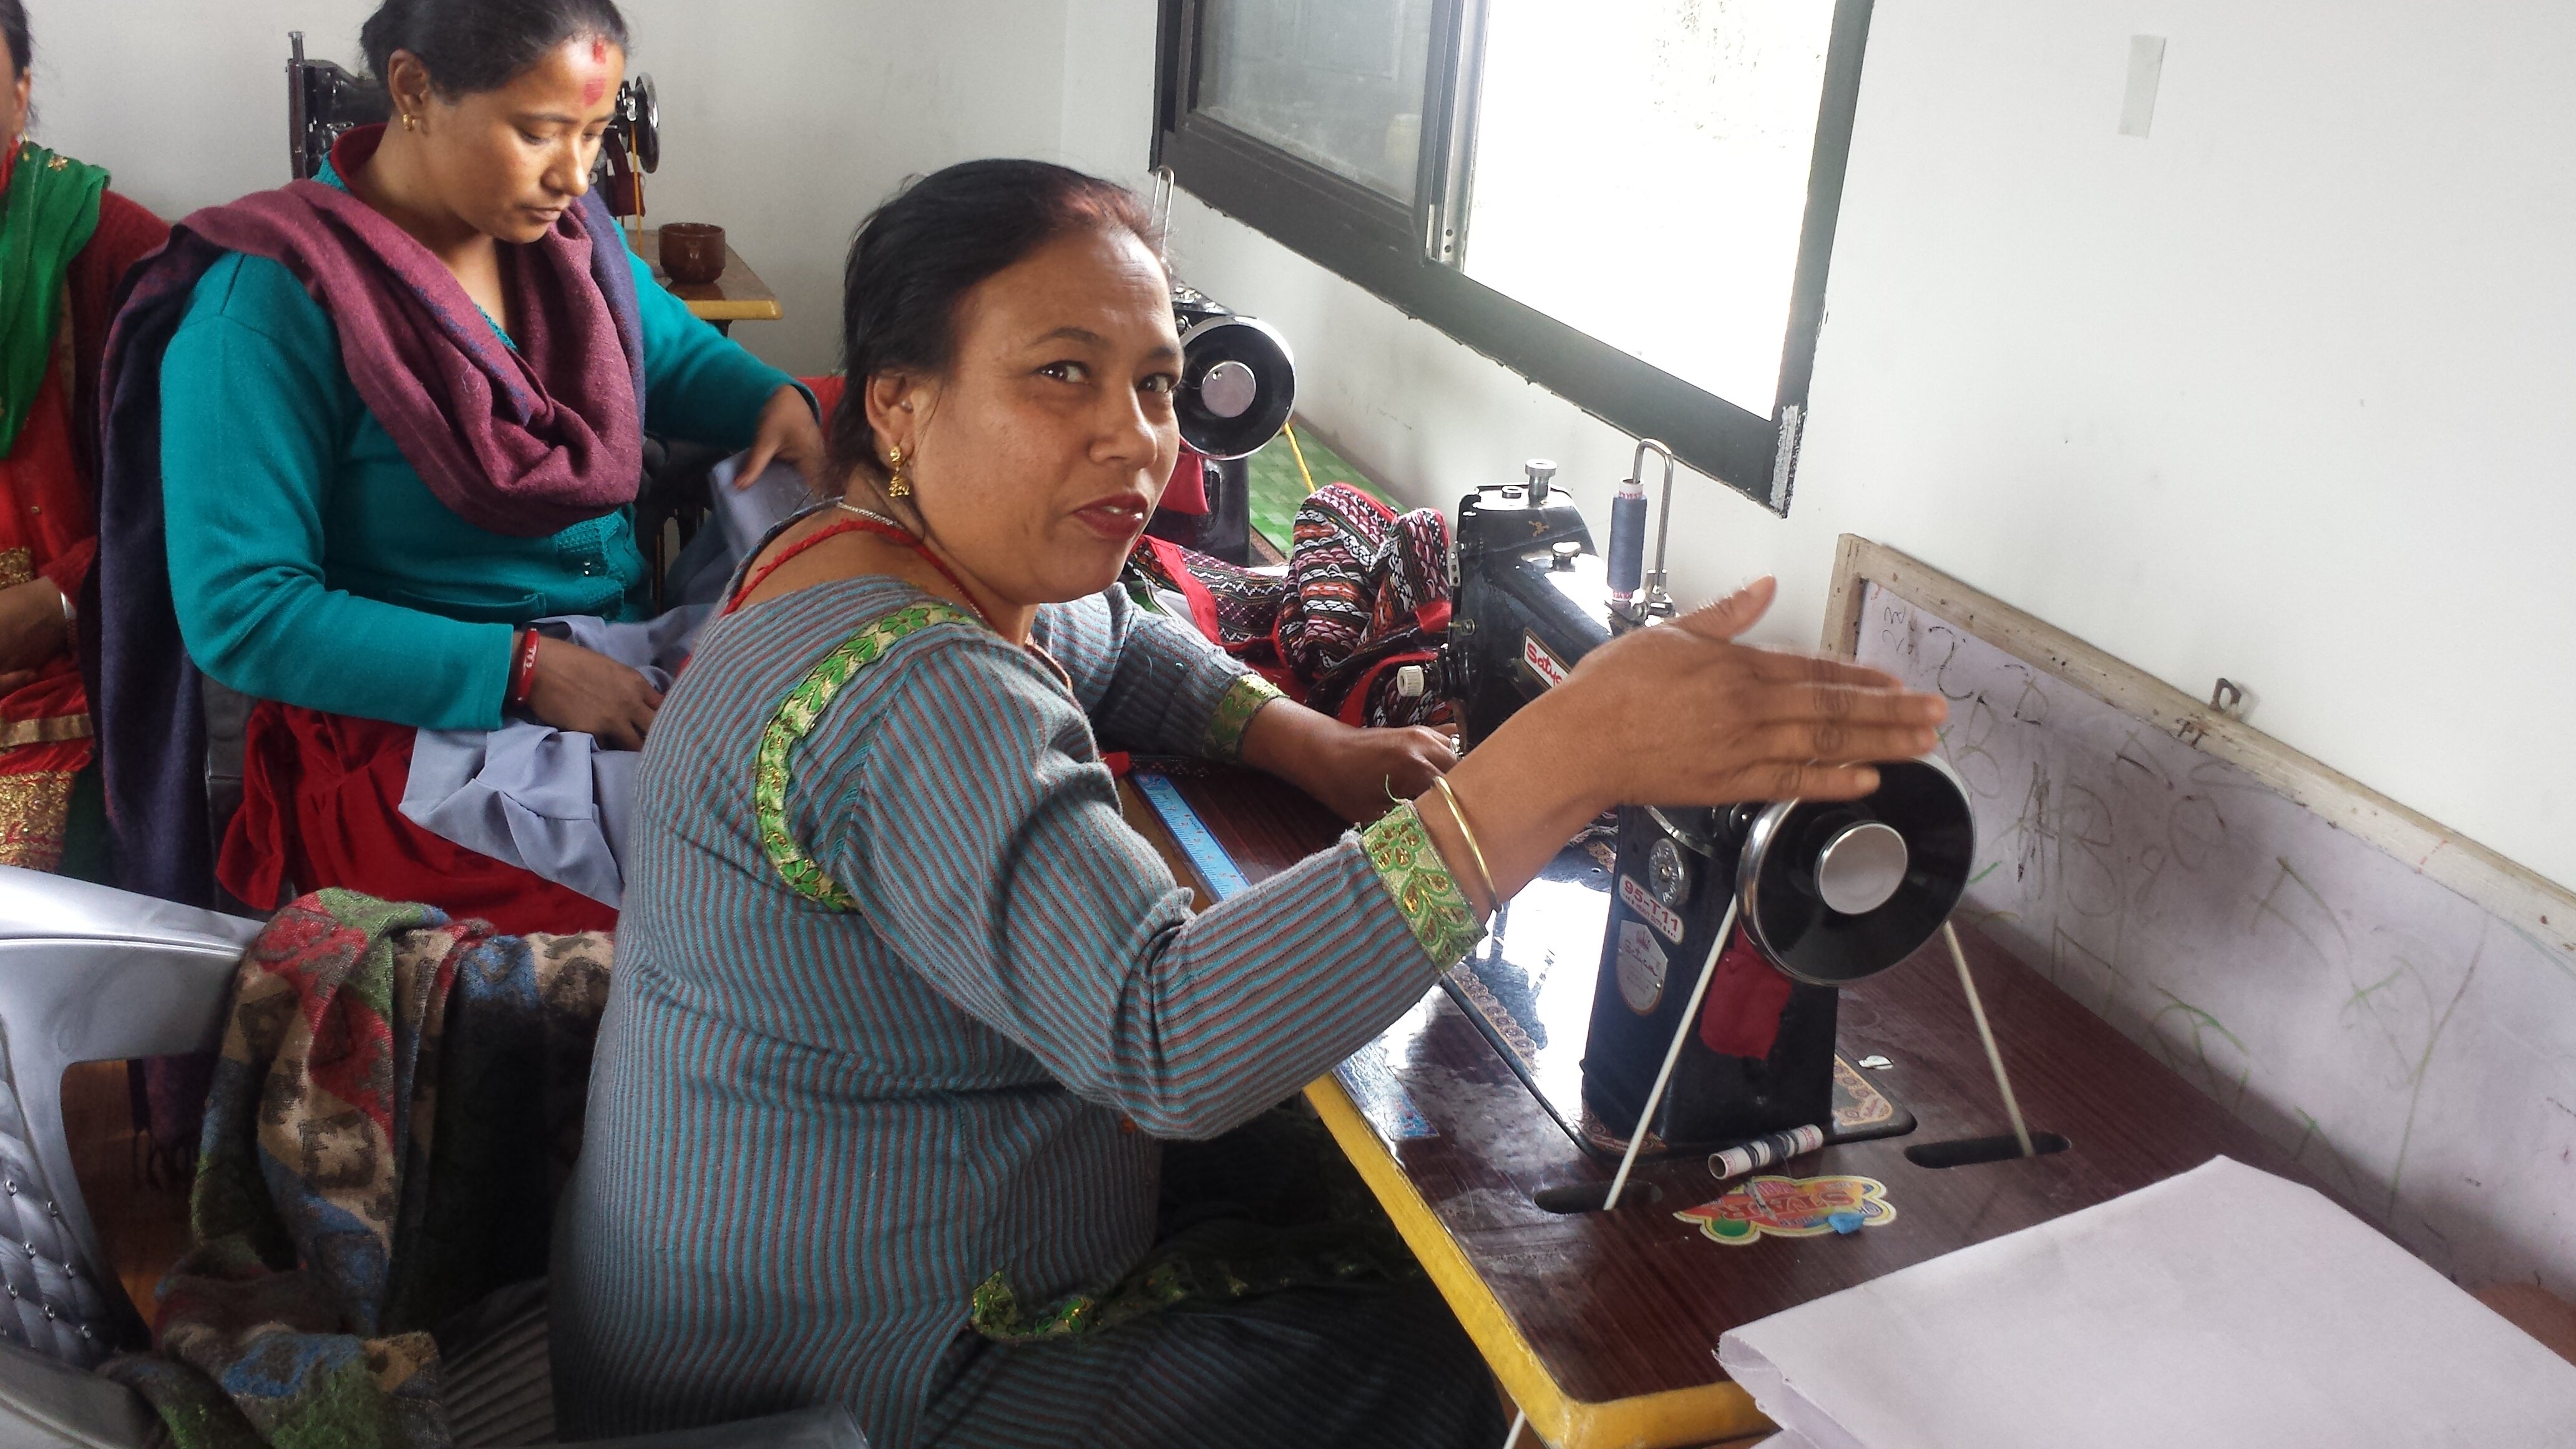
{"points": [[1678, 714], [586, 692]]}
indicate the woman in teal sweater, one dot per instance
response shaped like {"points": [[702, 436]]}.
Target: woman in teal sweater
{"points": [[325, 563]]}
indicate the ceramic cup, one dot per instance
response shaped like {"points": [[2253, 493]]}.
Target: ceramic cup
{"points": [[693, 253]]}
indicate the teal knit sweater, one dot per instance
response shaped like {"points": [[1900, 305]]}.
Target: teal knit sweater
{"points": [[309, 562]]}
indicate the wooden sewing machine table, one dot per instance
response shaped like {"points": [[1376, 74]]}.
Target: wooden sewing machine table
{"points": [[1604, 1326], [737, 296]]}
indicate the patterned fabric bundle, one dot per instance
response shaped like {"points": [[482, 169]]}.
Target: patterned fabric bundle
{"points": [[1366, 592], [398, 1100]]}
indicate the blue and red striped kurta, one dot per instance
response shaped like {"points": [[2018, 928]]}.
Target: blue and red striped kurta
{"points": [[813, 1131]]}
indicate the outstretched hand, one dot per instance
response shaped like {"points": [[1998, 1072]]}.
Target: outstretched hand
{"points": [[1682, 714], [1679, 714]]}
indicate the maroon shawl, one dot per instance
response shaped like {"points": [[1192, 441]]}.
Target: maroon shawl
{"points": [[525, 441]]}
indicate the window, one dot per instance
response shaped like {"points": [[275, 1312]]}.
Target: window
{"points": [[1631, 202]]}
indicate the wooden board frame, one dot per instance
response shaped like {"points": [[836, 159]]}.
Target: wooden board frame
{"points": [[2538, 907]]}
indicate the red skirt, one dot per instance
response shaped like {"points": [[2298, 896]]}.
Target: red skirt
{"points": [[322, 807]]}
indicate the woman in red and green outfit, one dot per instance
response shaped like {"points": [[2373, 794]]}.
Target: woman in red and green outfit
{"points": [[65, 242]]}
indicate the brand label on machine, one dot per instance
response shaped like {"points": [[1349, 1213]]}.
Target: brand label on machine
{"points": [[1545, 665], [1641, 967], [1643, 902]]}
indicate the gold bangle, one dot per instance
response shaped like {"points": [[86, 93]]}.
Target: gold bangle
{"points": [[1467, 833]]}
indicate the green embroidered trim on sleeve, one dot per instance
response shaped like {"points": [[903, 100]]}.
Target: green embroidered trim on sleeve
{"points": [[1418, 881], [795, 718], [1234, 711]]}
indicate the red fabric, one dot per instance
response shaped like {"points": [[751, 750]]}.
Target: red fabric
{"points": [[48, 494], [827, 396], [1187, 490], [1175, 568], [322, 807], [49, 530], [1741, 1017]]}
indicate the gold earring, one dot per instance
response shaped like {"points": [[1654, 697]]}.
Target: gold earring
{"points": [[408, 122], [897, 486]]}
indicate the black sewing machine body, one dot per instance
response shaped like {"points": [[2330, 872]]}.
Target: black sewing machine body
{"points": [[1532, 599], [1676, 872]]}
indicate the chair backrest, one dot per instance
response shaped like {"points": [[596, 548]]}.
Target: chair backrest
{"points": [[87, 974], [323, 101]]}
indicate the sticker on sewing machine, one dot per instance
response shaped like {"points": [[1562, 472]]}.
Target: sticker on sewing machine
{"points": [[1550, 669], [1641, 968], [1643, 902], [1793, 1207]]}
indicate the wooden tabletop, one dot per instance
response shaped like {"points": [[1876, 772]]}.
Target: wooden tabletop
{"points": [[737, 296], [1604, 1326]]}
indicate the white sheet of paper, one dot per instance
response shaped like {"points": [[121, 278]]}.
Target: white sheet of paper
{"points": [[2221, 1308]]}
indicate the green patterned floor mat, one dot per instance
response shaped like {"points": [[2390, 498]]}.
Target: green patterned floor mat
{"points": [[1277, 487]]}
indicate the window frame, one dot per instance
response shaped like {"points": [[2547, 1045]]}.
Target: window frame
{"points": [[1387, 248]]}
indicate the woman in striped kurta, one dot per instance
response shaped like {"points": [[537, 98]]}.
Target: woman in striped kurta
{"points": [[903, 1005]]}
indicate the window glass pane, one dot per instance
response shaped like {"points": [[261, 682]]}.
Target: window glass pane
{"points": [[1335, 82], [1641, 175]]}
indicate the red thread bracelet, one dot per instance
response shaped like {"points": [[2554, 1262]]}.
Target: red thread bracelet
{"points": [[523, 674]]}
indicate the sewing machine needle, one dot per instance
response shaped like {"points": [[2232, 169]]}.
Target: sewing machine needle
{"points": [[1986, 1034]]}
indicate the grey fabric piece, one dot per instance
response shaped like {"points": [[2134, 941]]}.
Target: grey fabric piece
{"points": [[738, 521], [550, 801], [557, 803], [45, 1404]]}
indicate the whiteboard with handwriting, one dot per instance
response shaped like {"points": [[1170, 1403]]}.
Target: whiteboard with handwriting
{"points": [[2415, 1053]]}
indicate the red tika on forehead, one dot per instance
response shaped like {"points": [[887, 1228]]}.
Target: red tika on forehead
{"points": [[597, 85]]}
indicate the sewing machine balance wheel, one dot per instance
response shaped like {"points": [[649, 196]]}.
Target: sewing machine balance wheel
{"points": [[641, 105], [1835, 892]]}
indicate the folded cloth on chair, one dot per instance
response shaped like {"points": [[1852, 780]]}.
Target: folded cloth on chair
{"points": [[399, 1098]]}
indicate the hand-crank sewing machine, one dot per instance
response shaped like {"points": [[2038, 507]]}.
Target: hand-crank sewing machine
{"points": [[1827, 894]]}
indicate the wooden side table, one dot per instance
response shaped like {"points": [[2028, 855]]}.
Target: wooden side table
{"points": [[737, 296]]}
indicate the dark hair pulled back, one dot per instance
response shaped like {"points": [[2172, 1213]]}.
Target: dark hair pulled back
{"points": [[13, 28], [916, 257], [473, 46]]}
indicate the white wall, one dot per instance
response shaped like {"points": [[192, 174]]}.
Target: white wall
{"points": [[2282, 393], [784, 121]]}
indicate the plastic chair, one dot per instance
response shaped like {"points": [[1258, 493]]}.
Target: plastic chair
{"points": [[87, 974]]}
